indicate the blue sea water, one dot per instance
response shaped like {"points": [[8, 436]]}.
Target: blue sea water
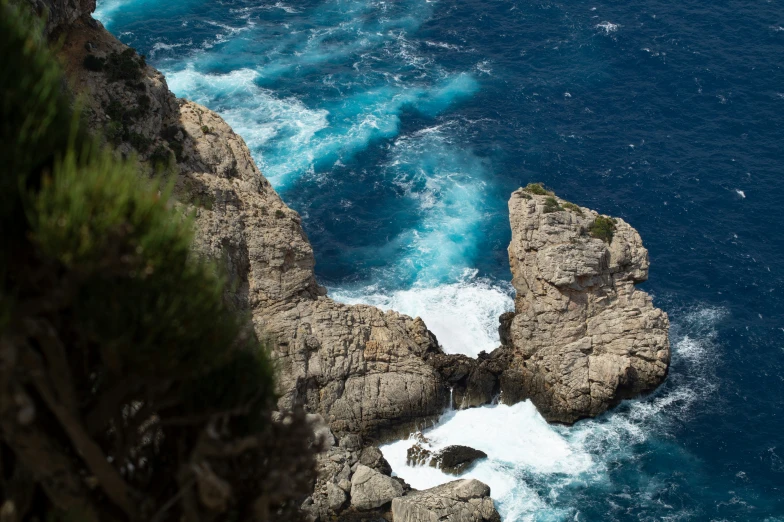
{"points": [[398, 129]]}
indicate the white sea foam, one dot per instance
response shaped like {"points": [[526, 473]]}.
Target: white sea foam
{"points": [[462, 315], [741, 193], [607, 27], [523, 449], [164, 47], [517, 440], [290, 139], [105, 10]]}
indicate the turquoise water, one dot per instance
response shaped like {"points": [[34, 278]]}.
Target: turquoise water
{"points": [[398, 129]]}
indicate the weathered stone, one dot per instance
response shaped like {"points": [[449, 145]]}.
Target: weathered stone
{"points": [[372, 457], [474, 382], [456, 459], [336, 497], [458, 501], [370, 489], [321, 429], [582, 337]]}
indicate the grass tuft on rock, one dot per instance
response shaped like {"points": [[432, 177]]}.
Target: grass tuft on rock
{"points": [[551, 205], [574, 208], [538, 189]]}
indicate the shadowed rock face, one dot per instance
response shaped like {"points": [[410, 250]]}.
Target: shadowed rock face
{"points": [[582, 337], [456, 459], [61, 12]]}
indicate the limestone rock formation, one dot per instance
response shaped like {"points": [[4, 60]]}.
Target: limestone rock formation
{"points": [[582, 337], [370, 489], [458, 501]]}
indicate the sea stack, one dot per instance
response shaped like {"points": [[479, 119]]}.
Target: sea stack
{"points": [[582, 337]]}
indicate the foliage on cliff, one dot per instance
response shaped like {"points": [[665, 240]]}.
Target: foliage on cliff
{"points": [[129, 390]]}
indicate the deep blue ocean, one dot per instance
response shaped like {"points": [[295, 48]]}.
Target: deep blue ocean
{"points": [[398, 130]]}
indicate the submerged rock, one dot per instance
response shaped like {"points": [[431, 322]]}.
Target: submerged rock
{"points": [[458, 501], [418, 455], [456, 459], [582, 337]]}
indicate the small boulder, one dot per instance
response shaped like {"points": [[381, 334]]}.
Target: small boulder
{"points": [[458, 501], [336, 497], [456, 459], [370, 489], [372, 457]]}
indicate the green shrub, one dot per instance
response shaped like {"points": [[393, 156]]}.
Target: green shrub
{"points": [[279, 213], [124, 66], [603, 228], [116, 111], [93, 63], [140, 142], [161, 157], [574, 208], [177, 148], [551, 205], [538, 189], [206, 130]]}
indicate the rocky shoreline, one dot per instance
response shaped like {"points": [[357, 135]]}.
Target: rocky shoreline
{"points": [[581, 339]]}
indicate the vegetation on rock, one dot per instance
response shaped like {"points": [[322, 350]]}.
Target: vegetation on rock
{"points": [[538, 189], [551, 205], [602, 228], [574, 208], [129, 389]]}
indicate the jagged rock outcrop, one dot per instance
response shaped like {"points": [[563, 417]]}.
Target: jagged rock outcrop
{"points": [[59, 13], [582, 337], [458, 501], [371, 489]]}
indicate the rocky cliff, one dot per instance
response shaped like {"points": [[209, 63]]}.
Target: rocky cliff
{"points": [[362, 369], [582, 337]]}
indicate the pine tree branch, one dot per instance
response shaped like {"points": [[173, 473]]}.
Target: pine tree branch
{"points": [[34, 449], [108, 477]]}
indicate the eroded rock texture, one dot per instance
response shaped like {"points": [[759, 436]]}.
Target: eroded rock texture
{"points": [[458, 501], [582, 337]]}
